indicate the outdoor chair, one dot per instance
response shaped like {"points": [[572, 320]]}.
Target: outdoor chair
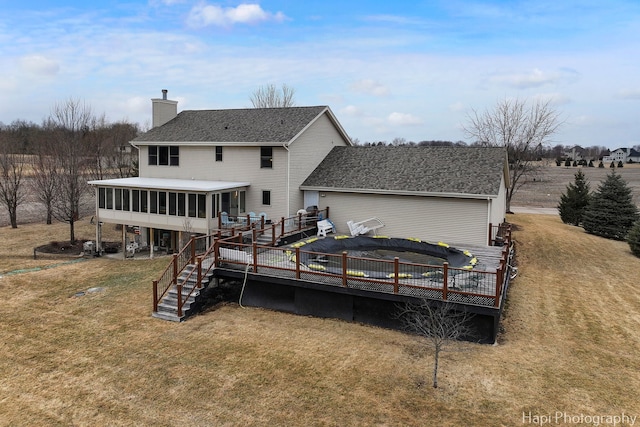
{"points": [[363, 227]]}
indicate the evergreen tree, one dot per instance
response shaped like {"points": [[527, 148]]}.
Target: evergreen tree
{"points": [[633, 238], [611, 212], [575, 200]]}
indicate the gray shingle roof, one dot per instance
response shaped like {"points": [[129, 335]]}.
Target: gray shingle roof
{"points": [[466, 170], [252, 125]]}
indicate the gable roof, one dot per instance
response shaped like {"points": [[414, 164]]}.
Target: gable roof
{"points": [[471, 171], [252, 126]]}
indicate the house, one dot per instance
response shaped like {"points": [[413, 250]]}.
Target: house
{"points": [[624, 155], [449, 194], [197, 164], [576, 153]]}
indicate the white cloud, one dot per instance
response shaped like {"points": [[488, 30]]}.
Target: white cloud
{"points": [[628, 94], [204, 15], [404, 119], [456, 106], [370, 87], [552, 98], [39, 65], [534, 78], [351, 110]]}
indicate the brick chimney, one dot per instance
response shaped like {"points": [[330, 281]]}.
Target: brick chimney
{"points": [[163, 110]]}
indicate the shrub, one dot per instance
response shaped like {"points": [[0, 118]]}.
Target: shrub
{"points": [[590, 163], [600, 165], [567, 162], [620, 164], [575, 201], [633, 238], [611, 212], [612, 165]]}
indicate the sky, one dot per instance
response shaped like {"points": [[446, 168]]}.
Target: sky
{"points": [[387, 69]]}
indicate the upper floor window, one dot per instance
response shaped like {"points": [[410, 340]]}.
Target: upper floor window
{"points": [[218, 153], [266, 157], [164, 155]]}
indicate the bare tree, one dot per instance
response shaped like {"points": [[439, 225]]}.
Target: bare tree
{"points": [[438, 323], [522, 128], [11, 178], [269, 96], [45, 175], [70, 123]]}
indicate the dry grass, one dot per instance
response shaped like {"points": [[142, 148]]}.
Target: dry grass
{"points": [[544, 188], [571, 339]]}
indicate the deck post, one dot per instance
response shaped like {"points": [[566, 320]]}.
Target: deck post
{"points": [[396, 274], [254, 249], [445, 281], [174, 261], [199, 267], [193, 250], [298, 263], [273, 234], [344, 268], [179, 289], [490, 228], [327, 212], [216, 252], [499, 281], [155, 296]]}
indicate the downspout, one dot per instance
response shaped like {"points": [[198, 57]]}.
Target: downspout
{"points": [[489, 213], [288, 178]]}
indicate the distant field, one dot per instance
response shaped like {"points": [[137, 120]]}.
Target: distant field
{"points": [[544, 188]]}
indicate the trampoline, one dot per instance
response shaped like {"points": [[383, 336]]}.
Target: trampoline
{"points": [[379, 253]]}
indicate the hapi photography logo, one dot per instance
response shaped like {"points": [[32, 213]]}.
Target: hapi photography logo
{"points": [[564, 418]]}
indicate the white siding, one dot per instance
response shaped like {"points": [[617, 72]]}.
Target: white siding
{"points": [[428, 218], [499, 205], [306, 154], [167, 222]]}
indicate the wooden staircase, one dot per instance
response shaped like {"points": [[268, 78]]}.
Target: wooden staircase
{"points": [[168, 306]]}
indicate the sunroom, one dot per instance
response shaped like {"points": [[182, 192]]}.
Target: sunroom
{"points": [[163, 213]]}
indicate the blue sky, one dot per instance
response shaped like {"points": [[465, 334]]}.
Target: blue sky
{"points": [[397, 69]]}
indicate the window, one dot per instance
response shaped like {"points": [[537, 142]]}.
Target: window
{"points": [[153, 155], [266, 157], [125, 199], [174, 156], [182, 204], [202, 205], [162, 202], [118, 199], [192, 205], [102, 201], [154, 202], [266, 197], [173, 201], [143, 201], [164, 155], [243, 201], [215, 205], [218, 153], [136, 200], [109, 198]]}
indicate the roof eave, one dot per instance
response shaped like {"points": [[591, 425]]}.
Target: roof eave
{"points": [[400, 192]]}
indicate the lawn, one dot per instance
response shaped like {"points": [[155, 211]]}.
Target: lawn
{"points": [[570, 343]]}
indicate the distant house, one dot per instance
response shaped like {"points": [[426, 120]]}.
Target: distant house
{"points": [[624, 155], [576, 153], [448, 194]]}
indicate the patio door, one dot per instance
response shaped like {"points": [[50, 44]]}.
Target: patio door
{"points": [[229, 202]]}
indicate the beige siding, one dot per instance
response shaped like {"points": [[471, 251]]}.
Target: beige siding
{"points": [[428, 218], [238, 164], [306, 154], [499, 205]]}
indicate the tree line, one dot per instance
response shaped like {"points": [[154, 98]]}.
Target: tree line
{"points": [[54, 160]]}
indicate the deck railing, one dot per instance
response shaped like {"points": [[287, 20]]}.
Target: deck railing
{"points": [[470, 286], [200, 249]]}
